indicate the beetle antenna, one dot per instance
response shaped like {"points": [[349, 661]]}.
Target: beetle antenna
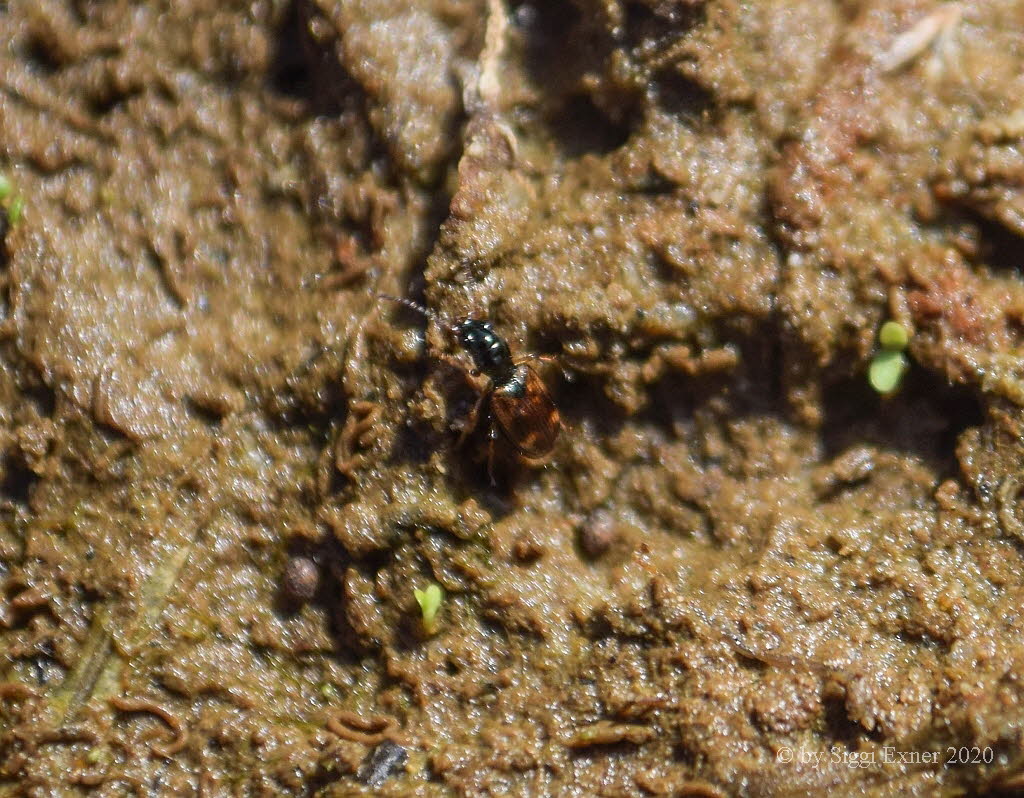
{"points": [[407, 303]]}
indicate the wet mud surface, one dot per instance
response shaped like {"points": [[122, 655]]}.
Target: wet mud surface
{"points": [[226, 465]]}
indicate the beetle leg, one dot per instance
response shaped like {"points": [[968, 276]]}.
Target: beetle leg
{"points": [[472, 420], [542, 358], [470, 375], [558, 360], [491, 435], [451, 360]]}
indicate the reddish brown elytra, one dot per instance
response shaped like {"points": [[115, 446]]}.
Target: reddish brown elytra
{"points": [[518, 402]]}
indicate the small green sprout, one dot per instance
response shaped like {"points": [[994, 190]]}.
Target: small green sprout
{"points": [[329, 691], [893, 335], [6, 187], [15, 210], [886, 371], [430, 602], [96, 755], [888, 366]]}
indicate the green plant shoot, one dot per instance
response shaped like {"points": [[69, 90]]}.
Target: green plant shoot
{"points": [[886, 371], [893, 335], [16, 209], [430, 602]]}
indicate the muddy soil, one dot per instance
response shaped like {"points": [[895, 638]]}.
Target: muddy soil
{"points": [[226, 464]]}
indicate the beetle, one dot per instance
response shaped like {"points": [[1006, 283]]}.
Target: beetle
{"points": [[516, 398]]}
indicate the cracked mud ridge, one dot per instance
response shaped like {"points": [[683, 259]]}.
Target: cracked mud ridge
{"points": [[264, 532]]}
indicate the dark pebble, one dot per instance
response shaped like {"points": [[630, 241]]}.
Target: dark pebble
{"points": [[598, 534], [386, 759], [301, 578]]}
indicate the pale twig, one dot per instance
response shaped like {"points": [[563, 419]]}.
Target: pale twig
{"points": [[936, 27], [494, 45]]}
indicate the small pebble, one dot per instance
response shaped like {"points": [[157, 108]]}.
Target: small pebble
{"points": [[301, 578], [598, 534], [385, 760]]}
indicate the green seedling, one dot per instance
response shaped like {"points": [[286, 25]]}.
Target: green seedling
{"points": [[430, 602], [6, 187], [16, 209], [329, 692], [893, 335], [886, 371]]}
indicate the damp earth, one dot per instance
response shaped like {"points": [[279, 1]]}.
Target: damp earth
{"points": [[249, 544]]}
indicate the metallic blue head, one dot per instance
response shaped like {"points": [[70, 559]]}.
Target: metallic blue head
{"points": [[490, 353]]}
